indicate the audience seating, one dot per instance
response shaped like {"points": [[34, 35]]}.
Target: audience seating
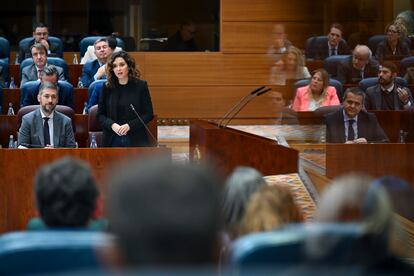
{"points": [[92, 87], [4, 50], [26, 88], [331, 63], [313, 43], [50, 60], [5, 72], [55, 41], [31, 86], [44, 252], [90, 40], [405, 63], [61, 108], [293, 245], [368, 82], [374, 40], [332, 82]]}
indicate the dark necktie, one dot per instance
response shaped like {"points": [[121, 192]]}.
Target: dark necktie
{"points": [[46, 134], [333, 51], [351, 133]]}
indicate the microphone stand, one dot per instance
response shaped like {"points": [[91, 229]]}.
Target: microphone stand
{"points": [[240, 107], [246, 98], [145, 126]]}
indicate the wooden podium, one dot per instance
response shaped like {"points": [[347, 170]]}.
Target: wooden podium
{"points": [[373, 159], [229, 148], [18, 168]]}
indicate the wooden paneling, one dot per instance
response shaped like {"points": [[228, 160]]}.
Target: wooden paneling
{"points": [[204, 69], [373, 159], [208, 102], [16, 176], [271, 10]]}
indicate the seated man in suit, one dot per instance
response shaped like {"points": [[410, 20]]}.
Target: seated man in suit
{"points": [[40, 35], [387, 94], [50, 74], [183, 40], [90, 51], [66, 196], [45, 127], [335, 45], [357, 67], [351, 124], [33, 72], [95, 70]]}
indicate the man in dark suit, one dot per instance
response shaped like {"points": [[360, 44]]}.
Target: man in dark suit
{"points": [[334, 46], [95, 70], [45, 127], [65, 89], [351, 124], [357, 67], [387, 94], [40, 35], [33, 72]]}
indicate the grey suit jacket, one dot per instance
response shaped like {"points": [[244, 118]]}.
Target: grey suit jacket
{"points": [[31, 130], [29, 73]]}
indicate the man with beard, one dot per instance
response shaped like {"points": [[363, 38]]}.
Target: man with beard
{"points": [[46, 127], [387, 94], [351, 124]]}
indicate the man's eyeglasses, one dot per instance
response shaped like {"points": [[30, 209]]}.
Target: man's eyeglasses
{"points": [[42, 34]]}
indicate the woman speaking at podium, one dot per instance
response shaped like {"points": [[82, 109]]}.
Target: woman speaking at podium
{"points": [[124, 101]]}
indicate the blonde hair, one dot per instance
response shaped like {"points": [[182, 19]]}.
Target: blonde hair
{"points": [[325, 80], [270, 207]]}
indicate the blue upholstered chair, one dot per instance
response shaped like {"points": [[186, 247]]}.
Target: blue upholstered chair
{"points": [[55, 41], [92, 87], [313, 43], [332, 82], [26, 88], [50, 60], [90, 40], [368, 82], [294, 244], [374, 40], [406, 63], [4, 50], [330, 64], [51, 251], [5, 72]]}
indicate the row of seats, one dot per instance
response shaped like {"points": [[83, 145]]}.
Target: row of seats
{"points": [[315, 41], [56, 42]]}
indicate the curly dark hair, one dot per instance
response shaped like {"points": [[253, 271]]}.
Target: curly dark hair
{"points": [[133, 72]]}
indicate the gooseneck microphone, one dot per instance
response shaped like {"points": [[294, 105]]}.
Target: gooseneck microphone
{"points": [[241, 104], [145, 125], [245, 98]]}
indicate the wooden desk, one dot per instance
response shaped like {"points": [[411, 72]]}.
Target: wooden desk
{"points": [[230, 148], [11, 96], [18, 167], [373, 159]]}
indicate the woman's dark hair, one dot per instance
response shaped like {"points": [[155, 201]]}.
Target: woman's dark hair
{"points": [[133, 73]]}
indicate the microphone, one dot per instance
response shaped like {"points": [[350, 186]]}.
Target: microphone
{"points": [[234, 107], [145, 126], [240, 107]]}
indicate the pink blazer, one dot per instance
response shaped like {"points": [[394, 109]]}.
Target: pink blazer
{"points": [[301, 102]]}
